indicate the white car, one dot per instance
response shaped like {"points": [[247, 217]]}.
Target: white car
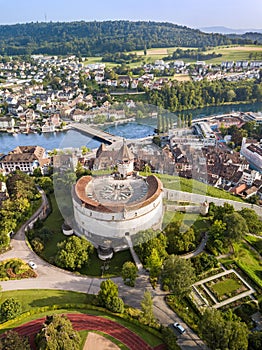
{"points": [[32, 265], [178, 327]]}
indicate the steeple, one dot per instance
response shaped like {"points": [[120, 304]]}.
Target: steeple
{"points": [[124, 153], [125, 159]]}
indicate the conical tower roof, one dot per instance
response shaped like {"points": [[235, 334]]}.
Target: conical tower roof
{"points": [[124, 153]]}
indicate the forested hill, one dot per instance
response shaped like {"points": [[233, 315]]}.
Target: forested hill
{"points": [[96, 38], [254, 37]]}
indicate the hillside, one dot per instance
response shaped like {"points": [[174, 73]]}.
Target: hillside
{"points": [[254, 37], [98, 38]]}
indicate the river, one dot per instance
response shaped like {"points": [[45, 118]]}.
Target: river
{"points": [[130, 130]]}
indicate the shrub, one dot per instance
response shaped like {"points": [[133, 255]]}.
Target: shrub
{"points": [[10, 308], [115, 304]]}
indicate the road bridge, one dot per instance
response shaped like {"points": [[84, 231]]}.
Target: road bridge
{"points": [[96, 133]]}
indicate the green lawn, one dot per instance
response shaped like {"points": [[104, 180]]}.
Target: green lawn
{"points": [[249, 261], [94, 266], [199, 222], [226, 287], [33, 298], [255, 242], [83, 336], [194, 186], [55, 220]]}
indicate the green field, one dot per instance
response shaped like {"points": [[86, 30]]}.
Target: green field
{"points": [[237, 53], [229, 53]]}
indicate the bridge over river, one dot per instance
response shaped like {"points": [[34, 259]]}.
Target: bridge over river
{"points": [[96, 133]]}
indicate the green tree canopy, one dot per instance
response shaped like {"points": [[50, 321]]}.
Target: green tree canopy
{"points": [[253, 222], [129, 273], [147, 316], [223, 332], [108, 296], [10, 308], [236, 226], [180, 238], [13, 341], [73, 253], [178, 275], [57, 333]]}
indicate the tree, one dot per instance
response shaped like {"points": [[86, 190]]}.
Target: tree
{"points": [[73, 253], [4, 239], [57, 333], [212, 329], [38, 245], [46, 184], [13, 341], [81, 171], [129, 273], [147, 316], [218, 212], [146, 241], [154, 263], [252, 220], [180, 238], [116, 304], [223, 331], [216, 236], [255, 341], [85, 150], [204, 262], [37, 172], [10, 308], [178, 275], [107, 294], [236, 226]]}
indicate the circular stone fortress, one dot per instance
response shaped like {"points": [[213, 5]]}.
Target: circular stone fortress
{"points": [[109, 209]]}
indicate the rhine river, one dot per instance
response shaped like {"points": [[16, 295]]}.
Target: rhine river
{"points": [[130, 130]]}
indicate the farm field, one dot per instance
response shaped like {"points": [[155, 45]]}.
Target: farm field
{"points": [[229, 53]]}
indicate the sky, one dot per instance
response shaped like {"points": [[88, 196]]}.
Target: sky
{"points": [[192, 13]]}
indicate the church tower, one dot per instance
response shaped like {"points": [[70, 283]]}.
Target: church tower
{"points": [[125, 161]]}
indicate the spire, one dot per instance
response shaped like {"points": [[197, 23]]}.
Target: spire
{"points": [[124, 153]]}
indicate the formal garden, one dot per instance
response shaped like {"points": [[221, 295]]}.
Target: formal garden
{"points": [[221, 289], [13, 269]]}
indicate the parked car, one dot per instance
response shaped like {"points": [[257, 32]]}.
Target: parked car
{"points": [[178, 327], [32, 265]]}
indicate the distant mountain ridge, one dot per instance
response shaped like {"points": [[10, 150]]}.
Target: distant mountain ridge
{"points": [[226, 30], [98, 38]]}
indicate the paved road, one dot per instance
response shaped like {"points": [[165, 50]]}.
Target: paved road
{"points": [[51, 277]]}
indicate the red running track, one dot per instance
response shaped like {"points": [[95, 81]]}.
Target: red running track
{"points": [[95, 323]]}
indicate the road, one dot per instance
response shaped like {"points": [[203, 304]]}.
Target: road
{"points": [[51, 277]]}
